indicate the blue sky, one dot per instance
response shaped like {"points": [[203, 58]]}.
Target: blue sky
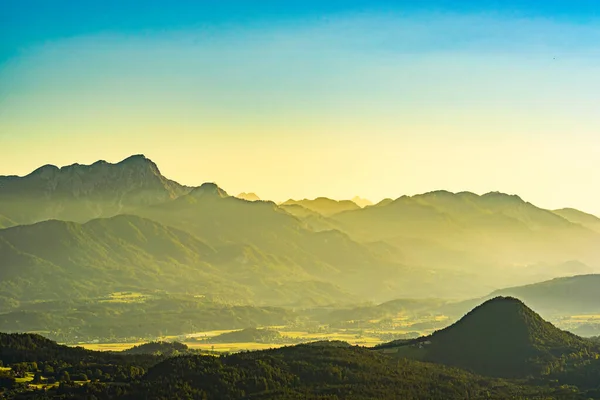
{"points": [[27, 22], [303, 99]]}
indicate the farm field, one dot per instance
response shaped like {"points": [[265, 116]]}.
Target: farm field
{"points": [[288, 337], [108, 346]]}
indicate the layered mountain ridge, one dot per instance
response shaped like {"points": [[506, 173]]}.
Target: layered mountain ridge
{"points": [[452, 244]]}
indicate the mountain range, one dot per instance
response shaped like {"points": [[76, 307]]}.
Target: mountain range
{"points": [[70, 231]]}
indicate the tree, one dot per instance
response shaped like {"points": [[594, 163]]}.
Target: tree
{"points": [[64, 376], [37, 378], [48, 370]]}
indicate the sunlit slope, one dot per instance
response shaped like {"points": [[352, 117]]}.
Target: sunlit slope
{"points": [[52, 259]]}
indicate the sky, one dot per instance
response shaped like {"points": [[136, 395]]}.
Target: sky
{"points": [[299, 99]]}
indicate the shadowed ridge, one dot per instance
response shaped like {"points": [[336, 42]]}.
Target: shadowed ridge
{"points": [[44, 171]]}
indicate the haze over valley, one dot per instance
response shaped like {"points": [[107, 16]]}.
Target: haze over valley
{"points": [[79, 234]]}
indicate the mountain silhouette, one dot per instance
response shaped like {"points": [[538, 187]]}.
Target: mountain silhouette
{"points": [[83, 192], [501, 337], [248, 196], [362, 202]]}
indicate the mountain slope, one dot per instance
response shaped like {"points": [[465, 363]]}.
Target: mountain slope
{"points": [[83, 192], [312, 220], [579, 217], [66, 259], [570, 295], [573, 295], [221, 220], [57, 259], [501, 337], [5, 222]]}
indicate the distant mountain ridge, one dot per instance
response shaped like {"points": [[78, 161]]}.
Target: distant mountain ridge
{"points": [[465, 229], [83, 192], [579, 217], [324, 206], [362, 202], [575, 294], [248, 196], [454, 244]]}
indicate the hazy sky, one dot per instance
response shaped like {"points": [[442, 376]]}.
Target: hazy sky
{"points": [[305, 99]]}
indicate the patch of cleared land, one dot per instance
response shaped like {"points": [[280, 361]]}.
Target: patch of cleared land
{"points": [[125, 297]]}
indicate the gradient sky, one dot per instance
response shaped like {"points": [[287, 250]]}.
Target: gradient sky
{"points": [[312, 98]]}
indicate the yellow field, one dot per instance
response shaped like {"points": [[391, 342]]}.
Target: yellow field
{"points": [[232, 347], [590, 317], [28, 378], [351, 338], [208, 333], [368, 338], [108, 346]]}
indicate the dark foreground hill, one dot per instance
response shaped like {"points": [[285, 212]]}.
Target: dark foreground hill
{"points": [[315, 371], [321, 372], [510, 351], [502, 337]]}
